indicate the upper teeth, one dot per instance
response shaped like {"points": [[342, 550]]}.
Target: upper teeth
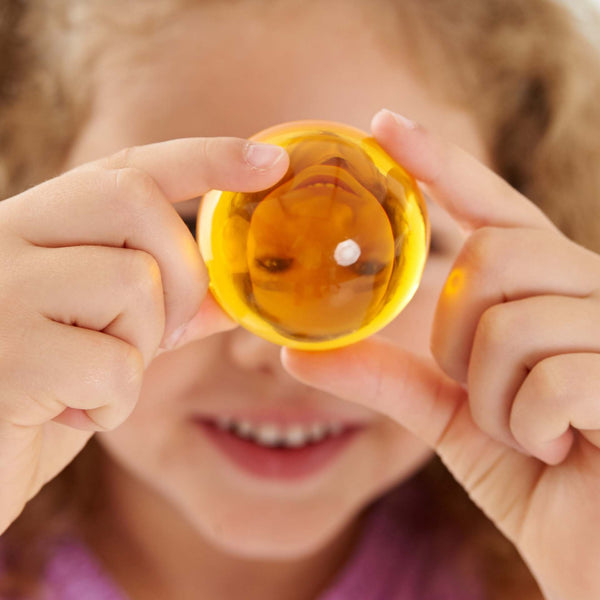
{"points": [[272, 434], [323, 184]]}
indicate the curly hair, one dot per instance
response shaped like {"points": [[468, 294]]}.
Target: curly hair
{"points": [[525, 70]]}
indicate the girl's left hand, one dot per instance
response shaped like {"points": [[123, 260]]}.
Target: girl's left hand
{"points": [[514, 411]]}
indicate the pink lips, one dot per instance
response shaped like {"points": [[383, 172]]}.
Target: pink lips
{"points": [[327, 174], [285, 414], [279, 462]]}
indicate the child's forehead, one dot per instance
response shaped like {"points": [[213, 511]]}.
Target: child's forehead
{"points": [[221, 35], [211, 71]]}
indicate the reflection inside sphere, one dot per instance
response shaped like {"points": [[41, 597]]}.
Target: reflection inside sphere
{"points": [[320, 254]]}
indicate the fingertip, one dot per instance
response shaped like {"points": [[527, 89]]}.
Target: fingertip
{"points": [[208, 320], [211, 318], [286, 360], [555, 451], [263, 157], [385, 120], [284, 356], [325, 369], [181, 309], [408, 143], [292, 361], [171, 340], [77, 419], [257, 166]]}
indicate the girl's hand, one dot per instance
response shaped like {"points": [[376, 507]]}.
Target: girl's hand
{"points": [[96, 271], [513, 404]]}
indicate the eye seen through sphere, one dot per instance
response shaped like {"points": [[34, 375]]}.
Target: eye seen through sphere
{"points": [[328, 255]]}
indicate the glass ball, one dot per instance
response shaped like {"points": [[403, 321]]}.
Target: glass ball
{"points": [[328, 255]]}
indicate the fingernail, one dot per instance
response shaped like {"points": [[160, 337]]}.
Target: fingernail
{"points": [[400, 119], [263, 156], [172, 340]]}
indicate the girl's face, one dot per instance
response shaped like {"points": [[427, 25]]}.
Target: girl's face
{"points": [[224, 70]]}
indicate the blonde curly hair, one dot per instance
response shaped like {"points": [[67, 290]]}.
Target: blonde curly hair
{"points": [[528, 71]]}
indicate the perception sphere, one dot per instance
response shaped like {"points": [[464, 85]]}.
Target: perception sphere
{"points": [[327, 256]]}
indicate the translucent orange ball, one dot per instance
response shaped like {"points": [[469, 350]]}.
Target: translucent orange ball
{"points": [[327, 256]]}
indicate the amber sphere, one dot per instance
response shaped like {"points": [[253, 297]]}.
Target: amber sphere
{"points": [[327, 256]]}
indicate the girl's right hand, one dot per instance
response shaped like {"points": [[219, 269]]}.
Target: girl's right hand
{"points": [[97, 271]]}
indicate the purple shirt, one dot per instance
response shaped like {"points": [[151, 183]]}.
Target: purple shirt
{"points": [[394, 560]]}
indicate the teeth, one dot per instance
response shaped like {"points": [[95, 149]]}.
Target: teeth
{"points": [[318, 431], [296, 436], [271, 434], [243, 429], [268, 434]]}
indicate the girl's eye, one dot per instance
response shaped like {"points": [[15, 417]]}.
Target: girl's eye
{"points": [[274, 264], [190, 221], [434, 244], [368, 267], [439, 244]]}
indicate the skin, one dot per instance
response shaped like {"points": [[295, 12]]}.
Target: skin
{"points": [[172, 528], [254, 525], [178, 513], [510, 405]]}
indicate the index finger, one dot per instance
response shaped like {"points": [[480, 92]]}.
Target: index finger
{"points": [[471, 193], [188, 167], [124, 201]]}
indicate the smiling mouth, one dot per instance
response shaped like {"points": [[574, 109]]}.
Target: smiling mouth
{"points": [[265, 455], [327, 176]]}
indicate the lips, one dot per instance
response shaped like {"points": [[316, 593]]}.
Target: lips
{"points": [[283, 463], [285, 417], [327, 175]]}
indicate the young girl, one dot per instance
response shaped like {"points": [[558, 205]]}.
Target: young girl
{"points": [[106, 329]]}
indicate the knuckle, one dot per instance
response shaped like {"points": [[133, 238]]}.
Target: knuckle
{"points": [[208, 146], [141, 276], [16, 343], [217, 150], [122, 159], [132, 192], [142, 265], [544, 380], [9, 390], [480, 412], [216, 146], [19, 265], [119, 392], [482, 251], [496, 327], [135, 186], [125, 373], [519, 424]]}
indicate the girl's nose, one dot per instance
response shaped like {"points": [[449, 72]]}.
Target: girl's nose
{"points": [[252, 353]]}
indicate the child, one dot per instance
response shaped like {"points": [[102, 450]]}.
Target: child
{"points": [[166, 500]]}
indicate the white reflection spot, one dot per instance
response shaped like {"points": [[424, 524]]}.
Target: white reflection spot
{"points": [[346, 253]]}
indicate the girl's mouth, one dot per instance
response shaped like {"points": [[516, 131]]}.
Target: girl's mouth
{"points": [[273, 451], [327, 176]]}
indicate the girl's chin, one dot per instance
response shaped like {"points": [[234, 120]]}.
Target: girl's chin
{"points": [[290, 541], [268, 527]]}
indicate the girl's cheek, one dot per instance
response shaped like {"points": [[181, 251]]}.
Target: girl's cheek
{"points": [[412, 328]]}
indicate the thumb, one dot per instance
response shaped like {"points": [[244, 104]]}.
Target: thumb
{"points": [[385, 378], [419, 396]]}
